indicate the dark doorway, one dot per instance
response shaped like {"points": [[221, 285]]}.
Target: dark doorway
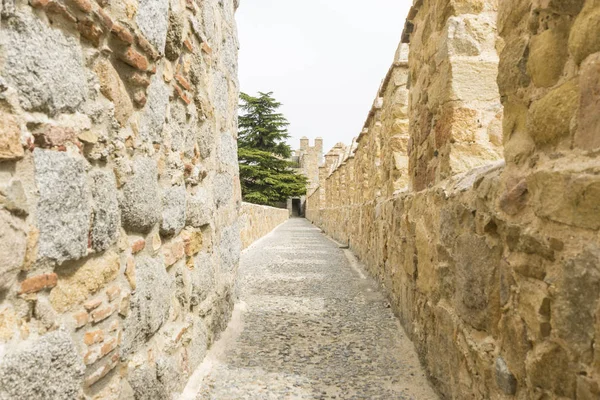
{"points": [[296, 208]]}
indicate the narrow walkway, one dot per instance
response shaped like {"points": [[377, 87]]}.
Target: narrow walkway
{"points": [[310, 326]]}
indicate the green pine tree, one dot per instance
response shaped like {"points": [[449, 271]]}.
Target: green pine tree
{"points": [[265, 174]]}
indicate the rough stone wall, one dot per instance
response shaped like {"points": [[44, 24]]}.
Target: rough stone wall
{"points": [[257, 221], [119, 194], [494, 272]]}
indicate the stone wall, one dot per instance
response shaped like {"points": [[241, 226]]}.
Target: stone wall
{"points": [[257, 221], [494, 271], [119, 194]]}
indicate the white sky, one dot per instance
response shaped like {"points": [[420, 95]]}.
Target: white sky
{"points": [[323, 59]]}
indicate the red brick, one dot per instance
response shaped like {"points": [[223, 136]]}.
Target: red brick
{"points": [[147, 47], [105, 19], [108, 347], [90, 31], [93, 337], [83, 5], [92, 304], [182, 95], [81, 318], [54, 7], [138, 246], [206, 48], [102, 313], [54, 136], [102, 371], [113, 292], [122, 33], [135, 59], [183, 82], [39, 282], [188, 45]]}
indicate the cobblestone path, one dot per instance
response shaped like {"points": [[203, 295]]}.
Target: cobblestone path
{"points": [[310, 325]]}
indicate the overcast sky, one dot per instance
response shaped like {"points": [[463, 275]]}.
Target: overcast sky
{"points": [[323, 59]]}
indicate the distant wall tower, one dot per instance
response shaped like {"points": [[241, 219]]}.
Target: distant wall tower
{"points": [[310, 159]]}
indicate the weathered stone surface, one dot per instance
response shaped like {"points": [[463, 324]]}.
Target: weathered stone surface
{"points": [[587, 136], [199, 208], [13, 198], [150, 303], [546, 368], [256, 221], [153, 119], [145, 383], [585, 29], [46, 368], [230, 247], [140, 200], [548, 54], [13, 244], [10, 140], [153, 20], [223, 188], [228, 149], [63, 210], [174, 209], [504, 379], [76, 284], [476, 264], [113, 88], [44, 65], [550, 117], [106, 213]]}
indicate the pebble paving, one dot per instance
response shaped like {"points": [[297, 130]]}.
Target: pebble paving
{"points": [[313, 326]]}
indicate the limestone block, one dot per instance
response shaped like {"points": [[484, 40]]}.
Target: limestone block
{"points": [[44, 64], [574, 310], [585, 32], [150, 303], [550, 117], [140, 200], [107, 215], [63, 210], [477, 300], [13, 198], [512, 69], [47, 368], [13, 246], [114, 89], [153, 20], [474, 79], [546, 367], [587, 136], [76, 284], [174, 210], [548, 53], [10, 138], [565, 198]]}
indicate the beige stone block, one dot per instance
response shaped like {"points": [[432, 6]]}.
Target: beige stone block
{"points": [[13, 246], [548, 53], [550, 117], [550, 368], [585, 32], [474, 79], [10, 137], [587, 136], [567, 197], [113, 88], [77, 283]]}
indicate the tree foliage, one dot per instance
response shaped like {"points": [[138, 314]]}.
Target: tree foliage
{"points": [[265, 174]]}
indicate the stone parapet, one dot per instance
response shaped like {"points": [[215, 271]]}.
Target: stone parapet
{"points": [[257, 221], [492, 266]]}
